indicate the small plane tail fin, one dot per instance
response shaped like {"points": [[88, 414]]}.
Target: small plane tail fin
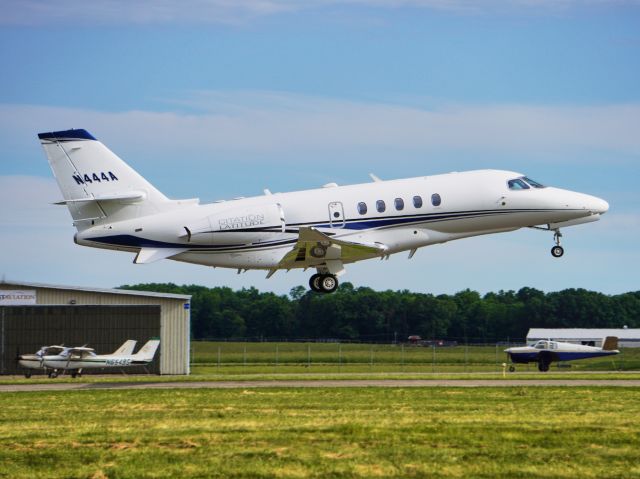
{"points": [[126, 349], [148, 351], [610, 343], [95, 182]]}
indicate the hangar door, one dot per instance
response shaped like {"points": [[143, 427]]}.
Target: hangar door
{"points": [[25, 329]]}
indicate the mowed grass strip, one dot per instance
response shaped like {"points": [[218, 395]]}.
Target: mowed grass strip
{"points": [[293, 433]]}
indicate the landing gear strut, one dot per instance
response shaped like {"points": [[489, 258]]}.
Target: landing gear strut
{"points": [[323, 283], [557, 251]]}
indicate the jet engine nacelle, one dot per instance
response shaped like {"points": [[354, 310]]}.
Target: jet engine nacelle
{"points": [[240, 225]]}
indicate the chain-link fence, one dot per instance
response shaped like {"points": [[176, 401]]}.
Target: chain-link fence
{"points": [[438, 356]]}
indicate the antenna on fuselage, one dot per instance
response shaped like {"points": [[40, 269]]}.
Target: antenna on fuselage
{"points": [[374, 178]]}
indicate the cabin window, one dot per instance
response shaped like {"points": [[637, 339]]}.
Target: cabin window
{"points": [[417, 201], [533, 183], [435, 199], [399, 202], [362, 208], [517, 184], [380, 206]]}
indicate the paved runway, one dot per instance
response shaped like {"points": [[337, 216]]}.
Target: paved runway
{"points": [[347, 383]]}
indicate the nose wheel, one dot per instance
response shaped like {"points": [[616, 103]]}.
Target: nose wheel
{"points": [[323, 283], [557, 251]]}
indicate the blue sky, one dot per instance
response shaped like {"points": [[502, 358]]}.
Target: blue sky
{"points": [[219, 99]]}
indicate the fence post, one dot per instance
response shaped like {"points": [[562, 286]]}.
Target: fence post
{"points": [[244, 358], [339, 357], [309, 355], [218, 358], [433, 358], [466, 356], [402, 356], [371, 359], [276, 367], [497, 363]]}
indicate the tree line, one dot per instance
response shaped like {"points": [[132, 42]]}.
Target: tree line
{"points": [[364, 314]]}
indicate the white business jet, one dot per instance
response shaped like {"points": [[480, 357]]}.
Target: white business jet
{"points": [[114, 207]]}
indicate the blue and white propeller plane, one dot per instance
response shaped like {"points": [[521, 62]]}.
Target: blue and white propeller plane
{"points": [[113, 207], [544, 352]]}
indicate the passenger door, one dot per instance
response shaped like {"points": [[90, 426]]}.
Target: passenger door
{"points": [[336, 214]]}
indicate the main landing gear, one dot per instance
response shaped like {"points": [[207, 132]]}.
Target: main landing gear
{"points": [[323, 283]]}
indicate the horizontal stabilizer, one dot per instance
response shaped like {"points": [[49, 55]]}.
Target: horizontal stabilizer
{"points": [[128, 196], [149, 255]]}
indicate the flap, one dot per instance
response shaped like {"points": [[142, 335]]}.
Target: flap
{"points": [[316, 248], [149, 255]]}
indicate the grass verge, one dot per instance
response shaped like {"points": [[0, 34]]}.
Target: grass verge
{"points": [[295, 433]]}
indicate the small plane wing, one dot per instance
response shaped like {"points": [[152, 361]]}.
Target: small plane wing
{"points": [[315, 248]]}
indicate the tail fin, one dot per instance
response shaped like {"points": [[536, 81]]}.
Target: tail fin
{"points": [[610, 343], [95, 182], [126, 349], [148, 351]]}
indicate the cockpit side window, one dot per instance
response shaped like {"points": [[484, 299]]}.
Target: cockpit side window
{"points": [[533, 183], [517, 184]]}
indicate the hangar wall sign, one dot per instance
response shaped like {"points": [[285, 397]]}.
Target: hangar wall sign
{"points": [[17, 297]]}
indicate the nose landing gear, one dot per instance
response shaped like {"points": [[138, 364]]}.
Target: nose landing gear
{"points": [[557, 251], [323, 283]]}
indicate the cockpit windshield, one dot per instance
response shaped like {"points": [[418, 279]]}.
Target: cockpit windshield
{"points": [[523, 183], [517, 184], [533, 183]]}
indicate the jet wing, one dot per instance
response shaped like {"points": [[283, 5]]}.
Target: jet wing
{"points": [[314, 248]]}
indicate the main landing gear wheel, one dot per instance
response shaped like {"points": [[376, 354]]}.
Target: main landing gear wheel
{"points": [[314, 283], [512, 369], [323, 283], [27, 374]]}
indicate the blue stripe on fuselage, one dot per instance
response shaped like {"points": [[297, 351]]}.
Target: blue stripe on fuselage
{"points": [[350, 224]]}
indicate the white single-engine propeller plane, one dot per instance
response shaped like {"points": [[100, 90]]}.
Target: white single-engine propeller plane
{"points": [[74, 360], [114, 207], [545, 352]]}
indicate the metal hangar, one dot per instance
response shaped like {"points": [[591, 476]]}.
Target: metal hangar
{"points": [[33, 315]]}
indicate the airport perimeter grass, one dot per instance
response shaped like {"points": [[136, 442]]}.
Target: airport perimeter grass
{"points": [[543, 432]]}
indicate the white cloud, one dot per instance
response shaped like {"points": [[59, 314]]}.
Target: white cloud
{"points": [[230, 12], [281, 122]]}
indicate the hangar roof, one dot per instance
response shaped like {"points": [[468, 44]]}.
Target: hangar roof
{"points": [[129, 292], [583, 333]]}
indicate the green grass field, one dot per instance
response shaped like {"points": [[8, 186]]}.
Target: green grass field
{"points": [[543, 432]]}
